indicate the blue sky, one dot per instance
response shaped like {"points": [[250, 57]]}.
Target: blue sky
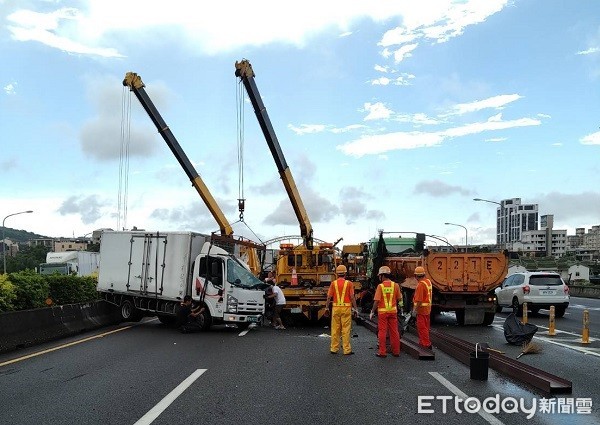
{"points": [[391, 115]]}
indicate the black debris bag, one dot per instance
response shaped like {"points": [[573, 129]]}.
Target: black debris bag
{"points": [[517, 332]]}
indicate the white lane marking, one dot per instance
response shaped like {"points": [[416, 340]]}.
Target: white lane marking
{"points": [[584, 307], [155, 412], [552, 341], [558, 331], [581, 350], [457, 392], [245, 331]]}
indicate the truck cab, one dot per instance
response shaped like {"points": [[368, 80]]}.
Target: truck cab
{"points": [[227, 287]]}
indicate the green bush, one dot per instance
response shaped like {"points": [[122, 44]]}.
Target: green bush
{"points": [[8, 294], [26, 290], [31, 288], [66, 289]]}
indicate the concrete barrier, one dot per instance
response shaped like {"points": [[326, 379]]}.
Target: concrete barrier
{"points": [[19, 329], [587, 291]]}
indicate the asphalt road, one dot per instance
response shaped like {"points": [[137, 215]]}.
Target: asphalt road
{"points": [[147, 373]]}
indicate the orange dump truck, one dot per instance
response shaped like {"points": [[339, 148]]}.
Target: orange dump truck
{"points": [[462, 282]]}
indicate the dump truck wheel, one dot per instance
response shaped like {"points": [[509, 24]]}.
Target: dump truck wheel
{"points": [[498, 307], [488, 319], [460, 317]]}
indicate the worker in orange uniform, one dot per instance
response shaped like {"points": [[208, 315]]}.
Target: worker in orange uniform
{"points": [[341, 292], [386, 302], [422, 307]]}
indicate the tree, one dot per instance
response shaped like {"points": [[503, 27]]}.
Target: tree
{"points": [[29, 257]]}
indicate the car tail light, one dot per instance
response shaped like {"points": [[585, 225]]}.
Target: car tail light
{"points": [[566, 288], [526, 289]]}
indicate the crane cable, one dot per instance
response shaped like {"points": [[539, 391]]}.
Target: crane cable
{"points": [[240, 148], [125, 140]]}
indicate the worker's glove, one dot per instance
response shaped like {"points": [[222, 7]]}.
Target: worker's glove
{"points": [[371, 315]]}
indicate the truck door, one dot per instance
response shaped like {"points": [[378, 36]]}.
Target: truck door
{"points": [[209, 282], [147, 260]]}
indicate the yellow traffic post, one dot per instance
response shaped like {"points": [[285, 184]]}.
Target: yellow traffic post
{"points": [[585, 336], [524, 312], [551, 325]]}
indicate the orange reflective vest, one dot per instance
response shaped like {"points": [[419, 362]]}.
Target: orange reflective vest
{"points": [[423, 295], [388, 301], [341, 299]]}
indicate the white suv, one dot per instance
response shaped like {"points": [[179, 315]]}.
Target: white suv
{"points": [[538, 289]]}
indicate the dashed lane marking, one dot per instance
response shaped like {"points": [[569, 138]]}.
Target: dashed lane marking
{"points": [[457, 392], [155, 412]]}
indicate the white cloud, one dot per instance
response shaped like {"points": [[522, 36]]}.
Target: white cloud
{"points": [[84, 30], [496, 139], [377, 111], [496, 102], [348, 128], [377, 144], [46, 29], [417, 119], [589, 51], [381, 81], [404, 52], [489, 125], [307, 128], [591, 139], [10, 88], [380, 68]]}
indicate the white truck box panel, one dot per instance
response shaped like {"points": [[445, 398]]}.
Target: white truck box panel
{"points": [[152, 264]]}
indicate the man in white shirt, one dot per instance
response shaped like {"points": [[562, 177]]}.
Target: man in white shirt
{"points": [[277, 294]]}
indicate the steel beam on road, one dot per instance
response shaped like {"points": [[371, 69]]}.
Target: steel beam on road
{"points": [[461, 350], [412, 348]]}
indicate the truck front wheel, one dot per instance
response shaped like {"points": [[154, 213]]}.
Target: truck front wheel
{"points": [[128, 311], [205, 320]]}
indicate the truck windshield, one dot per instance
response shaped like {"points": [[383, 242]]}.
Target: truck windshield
{"points": [[54, 268], [240, 276]]}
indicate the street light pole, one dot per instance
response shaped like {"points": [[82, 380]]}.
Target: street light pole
{"points": [[3, 237], [466, 233], [498, 229]]}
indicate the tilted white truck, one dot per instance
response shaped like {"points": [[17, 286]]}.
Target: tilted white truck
{"points": [[148, 274], [80, 263]]}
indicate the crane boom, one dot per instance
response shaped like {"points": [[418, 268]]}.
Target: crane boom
{"points": [[244, 71], [135, 84]]}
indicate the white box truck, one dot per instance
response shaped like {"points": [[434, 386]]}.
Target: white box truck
{"points": [[148, 274], [80, 263]]}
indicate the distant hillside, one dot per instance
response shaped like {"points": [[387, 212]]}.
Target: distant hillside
{"points": [[19, 235]]}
